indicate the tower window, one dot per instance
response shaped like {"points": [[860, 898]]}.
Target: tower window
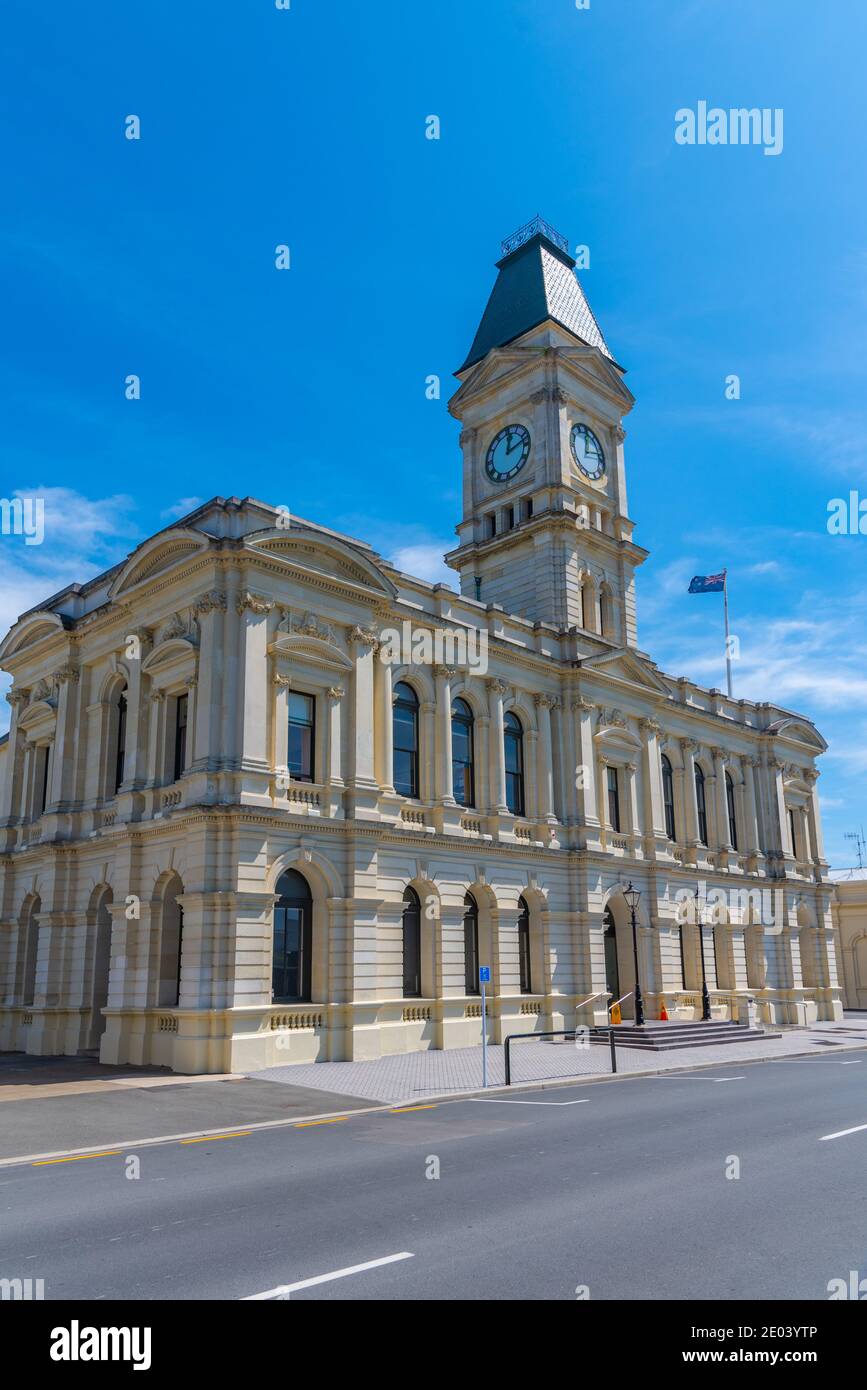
{"points": [[510, 518], [527, 508], [492, 524]]}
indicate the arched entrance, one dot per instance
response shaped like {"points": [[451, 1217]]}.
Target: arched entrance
{"points": [[291, 974], [612, 972]]}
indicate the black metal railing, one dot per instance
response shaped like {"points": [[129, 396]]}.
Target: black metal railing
{"points": [[571, 1033]]}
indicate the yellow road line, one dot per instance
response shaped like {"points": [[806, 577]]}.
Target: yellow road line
{"points": [[306, 1124], [78, 1158], [408, 1109], [206, 1139]]}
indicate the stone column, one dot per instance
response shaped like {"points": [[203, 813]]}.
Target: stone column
{"points": [[384, 701], [427, 750], [444, 788], [723, 838], [231, 662], [655, 835], [496, 691], [364, 786], [481, 754], [334, 695], [63, 765], [751, 817], [689, 749], [631, 798], [545, 762], [254, 715], [586, 772], [814, 819], [135, 747], [156, 739], [209, 610], [11, 784]]}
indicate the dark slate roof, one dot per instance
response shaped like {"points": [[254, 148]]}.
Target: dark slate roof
{"points": [[536, 282]]}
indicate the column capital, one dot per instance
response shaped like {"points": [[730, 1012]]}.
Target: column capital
{"points": [[650, 727], [496, 686], [362, 637], [214, 601], [548, 702], [256, 603]]}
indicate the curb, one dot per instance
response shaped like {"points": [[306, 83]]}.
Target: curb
{"points": [[549, 1084]]}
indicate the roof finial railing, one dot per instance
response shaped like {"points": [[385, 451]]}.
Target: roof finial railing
{"points": [[530, 229]]}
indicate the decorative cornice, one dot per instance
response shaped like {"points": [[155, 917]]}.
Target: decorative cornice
{"points": [[363, 637], [256, 603], [546, 702]]}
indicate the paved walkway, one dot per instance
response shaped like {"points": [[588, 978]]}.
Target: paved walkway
{"points": [[414, 1075]]}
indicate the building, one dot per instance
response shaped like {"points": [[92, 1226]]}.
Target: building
{"points": [[849, 908], [265, 798]]}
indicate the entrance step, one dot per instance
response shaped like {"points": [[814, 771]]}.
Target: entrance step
{"points": [[665, 1037]]}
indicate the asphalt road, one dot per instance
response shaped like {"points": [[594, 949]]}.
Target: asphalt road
{"points": [[620, 1187]]}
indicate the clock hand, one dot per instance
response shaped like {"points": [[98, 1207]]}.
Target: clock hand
{"points": [[510, 448]]}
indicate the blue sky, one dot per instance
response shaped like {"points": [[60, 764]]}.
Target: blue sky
{"points": [[307, 127]]}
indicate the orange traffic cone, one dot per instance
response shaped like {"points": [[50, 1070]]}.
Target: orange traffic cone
{"points": [[663, 1013], [616, 1018]]}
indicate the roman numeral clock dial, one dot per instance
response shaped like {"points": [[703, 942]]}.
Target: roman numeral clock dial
{"points": [[507, 453]]}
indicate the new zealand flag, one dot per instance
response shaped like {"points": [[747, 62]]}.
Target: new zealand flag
{"points": [[708, 583]]}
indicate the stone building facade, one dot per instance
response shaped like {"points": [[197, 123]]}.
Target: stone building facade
{"points": [[266, 798]]}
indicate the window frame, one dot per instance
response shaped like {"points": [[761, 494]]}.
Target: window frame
{"points": [[411, 937], [179, 752], [122, 707], [513, 736], [299, 901], [466, 721], [400, 702], [472, 983], [731, 810], [525, 961], [668, 797], [612, 784], [701, 804], [304, 725]]}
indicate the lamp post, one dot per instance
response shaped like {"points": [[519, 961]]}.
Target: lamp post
{"points": [[705, 997], [632, 896]]}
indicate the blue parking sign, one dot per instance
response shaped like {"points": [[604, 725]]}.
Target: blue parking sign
{"points": [[484, 974]]}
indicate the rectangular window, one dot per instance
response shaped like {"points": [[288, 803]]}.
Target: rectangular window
{"points": [[302, 729], [120, 751], [527, 508], [492, 524], [42, 800], [471, 954], [613, 799], [181, 709], [510, 518], [793, 836]]}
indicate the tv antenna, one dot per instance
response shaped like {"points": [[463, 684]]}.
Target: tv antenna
{"points": [[857, 836]]}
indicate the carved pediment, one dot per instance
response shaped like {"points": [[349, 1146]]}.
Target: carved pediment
{"points": [[325, 555], [627, 667], [29, 631], [157, 556], [797, 730]]}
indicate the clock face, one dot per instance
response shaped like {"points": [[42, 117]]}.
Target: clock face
{"points": [[507, 453], [587, 451]]}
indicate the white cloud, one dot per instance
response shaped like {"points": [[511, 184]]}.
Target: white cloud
{"points": [[83, 537], [425, 562], [180, 508]]}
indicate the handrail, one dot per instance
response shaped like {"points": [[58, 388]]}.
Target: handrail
{"points": [[589, 1000], [619, 1001], [557, 1033]]}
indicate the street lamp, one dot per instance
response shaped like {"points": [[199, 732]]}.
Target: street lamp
{"points": [[705, 997], [632, 896]]}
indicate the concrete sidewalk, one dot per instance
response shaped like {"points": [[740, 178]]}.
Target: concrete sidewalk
{"points": [[417, 1075]]}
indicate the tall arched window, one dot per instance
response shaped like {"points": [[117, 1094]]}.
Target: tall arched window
{"points": [[30, 926], [525, 967], [730, 806], [171, 948], [471, 945], [120, 739], [411, 945], [181, 713], [513, 737], [300, 757], [668, 797], [612, 972], [405, 739], [293, 940], [463, 780], [701, 804]]}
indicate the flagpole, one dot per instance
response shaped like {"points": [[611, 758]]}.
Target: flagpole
{"points": [[728, 645]]}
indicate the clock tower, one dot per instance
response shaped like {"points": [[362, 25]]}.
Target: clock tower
{"points": [[545, 531]]}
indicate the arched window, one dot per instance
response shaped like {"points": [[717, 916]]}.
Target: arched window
{"points": [[293, 939], [606, 612], [471, 945], [120, 739], [730, 806], [701, 805], [411, 945], [513, 737], [668, 797], [30, 926], [171, 949], [613, 797], [405, 739], [524, 964], [463, 780]]}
